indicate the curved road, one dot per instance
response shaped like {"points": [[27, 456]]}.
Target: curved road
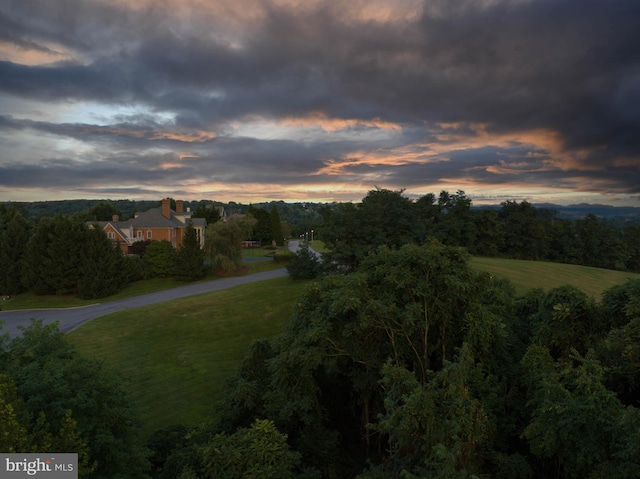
{"points": [[71, 318]]}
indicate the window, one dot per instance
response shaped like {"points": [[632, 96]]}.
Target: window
{"points": [[139, 234], [111, 235], [148, 234]]}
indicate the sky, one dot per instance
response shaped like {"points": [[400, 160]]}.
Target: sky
{"points": [[312, 100]]}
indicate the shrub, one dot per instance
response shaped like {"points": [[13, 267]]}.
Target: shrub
{"points": [[304, 264], [282, 256], [160, 258]]}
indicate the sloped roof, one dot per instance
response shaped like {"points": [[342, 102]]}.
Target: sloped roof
{"points": [[116, 225], [153, 218], [198, 222], [119, 230]]}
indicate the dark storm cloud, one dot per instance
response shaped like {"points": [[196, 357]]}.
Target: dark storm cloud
{"points": [[567, 67]]}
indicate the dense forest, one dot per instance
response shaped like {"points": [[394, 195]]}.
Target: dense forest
{"points": [[399, 361], [301, 216], [414, 366]]}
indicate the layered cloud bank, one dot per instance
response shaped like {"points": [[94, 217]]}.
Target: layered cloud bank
{"points": [[313, 100]]}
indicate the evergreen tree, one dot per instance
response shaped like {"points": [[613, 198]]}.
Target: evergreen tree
{"points": [[261, 230], [13, 246], [304, 264], [63, 260], [190, 257], [52, 258], [34, 273], [103, 269], [276, 226]]}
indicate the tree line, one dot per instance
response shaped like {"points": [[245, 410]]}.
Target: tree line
{"points": [[60, 255], [69, 255], [515, 230]]}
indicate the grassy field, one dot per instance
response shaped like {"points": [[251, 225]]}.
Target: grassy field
{"points": [[527, 275], [176, 356], [319, 246]]}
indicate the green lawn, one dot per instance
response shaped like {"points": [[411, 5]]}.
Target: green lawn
{"points": [[527, 275], [176, 355], [318, 246]]}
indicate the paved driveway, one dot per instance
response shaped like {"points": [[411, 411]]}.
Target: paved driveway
{"points": [[294, 245], [70, 318]]}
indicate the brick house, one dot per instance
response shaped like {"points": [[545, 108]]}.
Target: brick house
{"points": [[156, 224]]}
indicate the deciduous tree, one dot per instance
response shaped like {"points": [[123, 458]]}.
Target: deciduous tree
{"points": [[52, 380], [577, 425], [223, 242], [259, 451]]}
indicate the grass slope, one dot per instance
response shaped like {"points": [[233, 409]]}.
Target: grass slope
{"points": [[526, 275], [176, 355]]}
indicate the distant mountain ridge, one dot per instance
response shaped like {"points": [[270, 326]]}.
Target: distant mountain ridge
{"points": [[580, 210]]}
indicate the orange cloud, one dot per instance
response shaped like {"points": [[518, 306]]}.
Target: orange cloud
{"points": [[324, 122], [456, 137], [34, 54]]}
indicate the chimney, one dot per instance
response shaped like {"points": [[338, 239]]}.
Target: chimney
{"points": [[178, 206], [166, 208], [115, 218]]}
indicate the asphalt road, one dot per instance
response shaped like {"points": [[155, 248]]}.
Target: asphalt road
{"points": [[71, 318]]}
